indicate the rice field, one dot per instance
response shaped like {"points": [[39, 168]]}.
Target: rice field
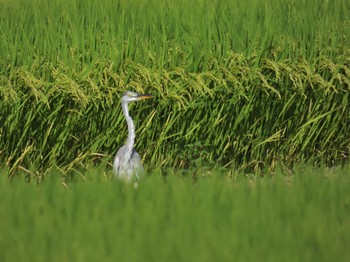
{"points": [[303, 216], [240, 85], [246, 143]]}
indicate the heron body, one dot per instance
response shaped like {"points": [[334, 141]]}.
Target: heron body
{"points": [[127, 164], [128, 168]]}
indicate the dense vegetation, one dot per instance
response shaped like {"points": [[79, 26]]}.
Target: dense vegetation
{"points": [[237, 84], [241, 88], [299, 217]]}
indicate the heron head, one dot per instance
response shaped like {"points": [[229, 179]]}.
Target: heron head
{"points": [[130, 96]]}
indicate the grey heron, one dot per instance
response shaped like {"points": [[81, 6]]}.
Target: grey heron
{"points": [[127, 163]]}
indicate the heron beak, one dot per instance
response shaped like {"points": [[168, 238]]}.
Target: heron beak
{"points": [[143, 96]]}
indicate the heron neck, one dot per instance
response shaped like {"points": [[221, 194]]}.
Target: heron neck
{"points": [[131, 129]]}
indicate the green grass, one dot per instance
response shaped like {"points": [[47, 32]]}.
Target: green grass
{"points": [[236, 116], [240, 85], [169, 33], [242, 89], [299, 217]]}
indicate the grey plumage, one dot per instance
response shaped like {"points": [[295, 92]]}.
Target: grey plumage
{"points": [[127, 164]]}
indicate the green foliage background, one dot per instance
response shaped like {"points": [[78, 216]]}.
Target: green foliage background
{"points": [[241, 88], [239, 85]]}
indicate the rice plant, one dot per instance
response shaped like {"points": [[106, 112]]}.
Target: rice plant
{"points": [[298, 217], [240, 85]]}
